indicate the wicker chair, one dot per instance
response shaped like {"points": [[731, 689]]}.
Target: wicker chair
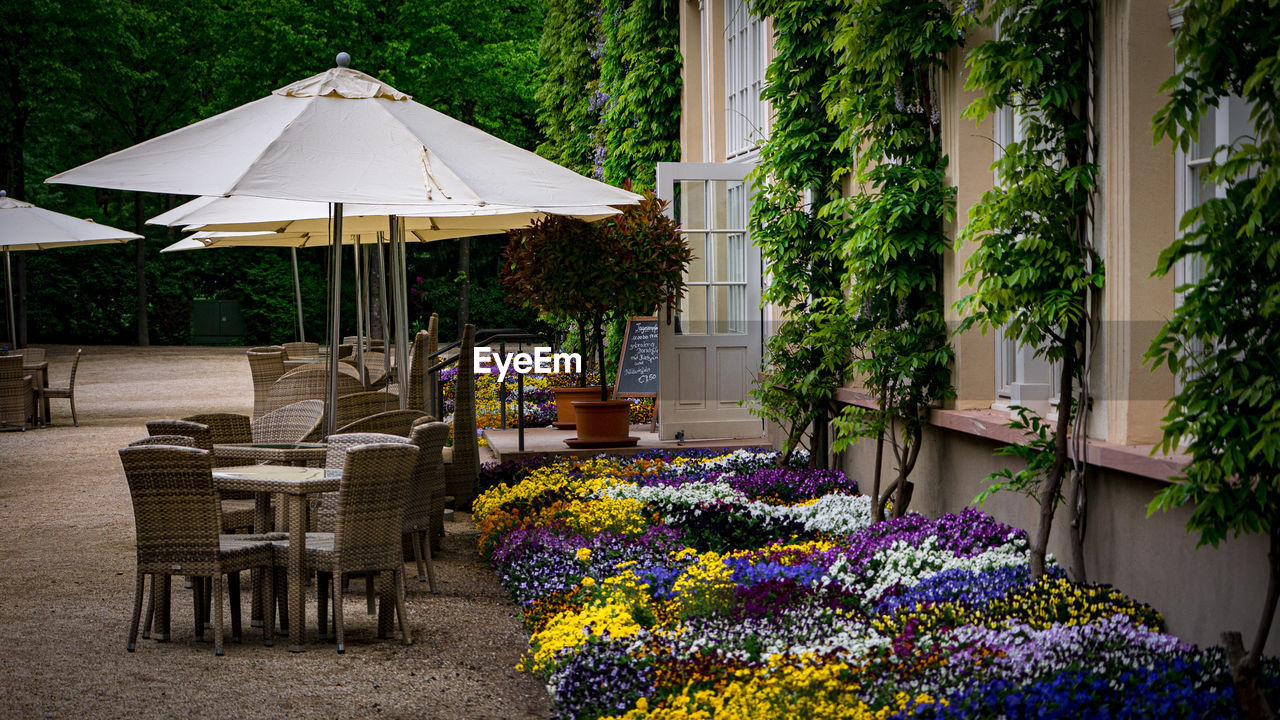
{"points": [[301, 350], [430, 382], [392, 422], [311, 382], [296, 422], [417, 358], [67, 392], [266, 367], [324, 506], [266, 349], [424, 512], [17, 397], [462, 461], [366, 536], [363, 404], [175, 509], [237, 511], [225, 428], [375, 369]]}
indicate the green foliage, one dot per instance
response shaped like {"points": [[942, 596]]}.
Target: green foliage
{"points": [[640, 81], [1036, 456], [890, 54], [1034, 271], [625, 265], [807, 356], [568, 100], [1227, 409]]}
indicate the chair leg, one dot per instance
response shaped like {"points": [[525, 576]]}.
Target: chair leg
{"points": [[282, 598], [197, 603], [151, 611], [74, 420], [137, 611], [217, 614], [233, 593], [338, 592], [322, 601], [369, 599], [164, 607], [399, 590], [268, 579], [431, 565], [415, 539]]}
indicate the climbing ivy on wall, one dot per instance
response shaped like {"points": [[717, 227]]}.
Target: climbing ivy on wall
{"points": [[807, 355], [890, 55], [610, 100], [569, 105], [1034, 271], [640, 76]]}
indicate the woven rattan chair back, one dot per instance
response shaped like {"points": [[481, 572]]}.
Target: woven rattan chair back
{"points": [[225, 428], [175, 509], [197, 432], [266, 349], [33, 356], [17, 404], [335, 458], [392, 422], [417, 360], [375, 368], [460, 475], [297, 422], [175, 440], [266, 368], [363, 404], [426, 490], [301, 350], [311, 382], [371, 502]]}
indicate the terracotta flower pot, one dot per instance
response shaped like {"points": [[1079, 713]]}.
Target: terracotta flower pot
{"points": [[566, 419], [602, 423]]}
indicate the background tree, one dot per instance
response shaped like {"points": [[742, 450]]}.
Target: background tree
{"points": [[1034, 271], [1226, 410], [890, 54]]}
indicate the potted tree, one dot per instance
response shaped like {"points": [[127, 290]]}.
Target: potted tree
{"points": [[625, 265]]}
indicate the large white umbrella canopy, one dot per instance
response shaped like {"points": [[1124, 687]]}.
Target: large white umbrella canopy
{"points": [[345, 137], [24, 226]]}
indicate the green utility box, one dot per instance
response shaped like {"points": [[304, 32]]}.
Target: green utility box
{"points": [[216, 322]]}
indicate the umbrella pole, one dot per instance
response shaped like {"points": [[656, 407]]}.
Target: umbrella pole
{"points": [[8, 286], [335, 325], [382, 300], [297, 293], [355, 248], [397, 285], [404, 299]]}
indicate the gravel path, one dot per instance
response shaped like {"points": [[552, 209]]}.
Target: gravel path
{"points": [[67, 574]]}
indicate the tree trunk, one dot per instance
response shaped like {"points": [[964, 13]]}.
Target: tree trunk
{"points": [[582, 349], [913, 435], [877, 507], [1048, 494], [1078, 506], [604, 384], [818, 459], [140, 263], [1244, 668]]}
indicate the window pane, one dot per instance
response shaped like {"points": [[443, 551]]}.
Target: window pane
{"points": [[1206, 139], [691, 204], [693, 311], [697, 272], [728, 257]]}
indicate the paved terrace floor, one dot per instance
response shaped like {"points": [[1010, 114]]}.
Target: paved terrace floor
{"points": [[67, 577]]}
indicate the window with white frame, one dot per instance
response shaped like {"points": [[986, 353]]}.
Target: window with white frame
{"points": [[744, 60]]}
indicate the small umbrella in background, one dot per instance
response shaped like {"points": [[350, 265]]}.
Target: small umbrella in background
{"points": [[24, 226]]}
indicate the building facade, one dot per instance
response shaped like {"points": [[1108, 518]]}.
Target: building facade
{"points": [[711, 359]]}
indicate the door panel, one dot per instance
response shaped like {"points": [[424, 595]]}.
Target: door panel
{"points": [[710, 355]]}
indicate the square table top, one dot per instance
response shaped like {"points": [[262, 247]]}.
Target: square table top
{"points": [[277, 479], [277, 452]]}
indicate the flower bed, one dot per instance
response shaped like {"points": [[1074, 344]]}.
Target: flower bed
{"points": [[539, 398], [708, 586]]}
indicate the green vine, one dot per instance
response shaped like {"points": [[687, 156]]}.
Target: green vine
{"points": [[570, 52], [640, 78], [1034, 271], [890, 55], [807, 356]]}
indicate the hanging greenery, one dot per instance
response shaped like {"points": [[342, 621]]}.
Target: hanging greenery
{"points": [[807, 354], [1034, 271], [1226, 407], [568, 101], [890, 55], [641, 84]]}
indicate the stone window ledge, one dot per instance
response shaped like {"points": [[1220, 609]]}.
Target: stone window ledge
{"points": [[991, 425]]}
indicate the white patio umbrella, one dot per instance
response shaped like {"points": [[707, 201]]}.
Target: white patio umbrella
{"points": [[24, 226], [345, 137]]}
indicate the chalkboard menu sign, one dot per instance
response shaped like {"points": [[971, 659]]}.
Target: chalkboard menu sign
{"points": [[638, 366]]}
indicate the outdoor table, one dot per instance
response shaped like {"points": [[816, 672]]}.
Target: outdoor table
{"points": [[41, 369], [294, 484], [288, 453]]}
